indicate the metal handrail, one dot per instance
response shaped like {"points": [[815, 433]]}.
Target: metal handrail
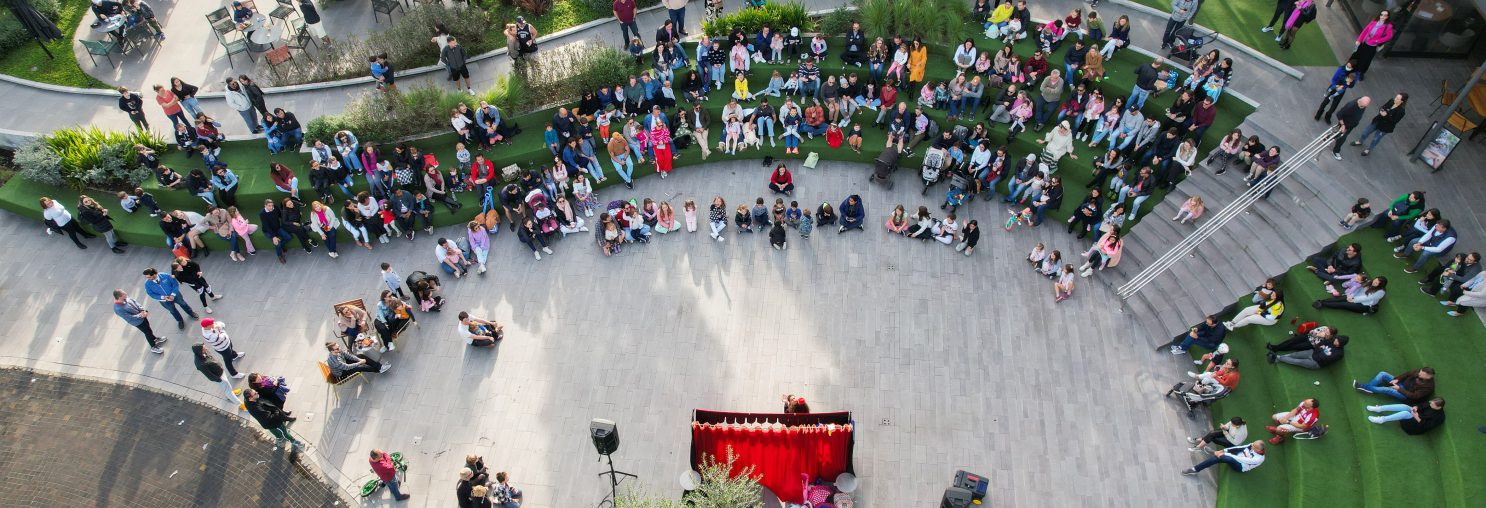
{"points": [[1241, 204]]}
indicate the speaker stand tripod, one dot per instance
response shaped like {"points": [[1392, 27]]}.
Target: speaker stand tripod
{"points": [[614, 478]]}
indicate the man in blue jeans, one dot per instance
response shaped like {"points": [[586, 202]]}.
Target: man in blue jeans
{"points": [[165, 289], [1414, 385], [381, 463], [1436, 243], [1241, 458], [1145, 83], [272, 224], [624, 12]]}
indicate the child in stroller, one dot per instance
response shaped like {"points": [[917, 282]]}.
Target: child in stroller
{"points": [[959, 189], [541, 213]]}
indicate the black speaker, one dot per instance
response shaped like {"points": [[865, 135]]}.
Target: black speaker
{"points": [[605, 436], [976, 484], [955, 497]]}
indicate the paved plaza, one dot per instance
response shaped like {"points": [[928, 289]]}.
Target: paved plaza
{"points": [[946, 362], [76, 442]]}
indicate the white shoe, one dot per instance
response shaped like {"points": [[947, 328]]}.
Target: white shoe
{"points": [[385, 367], [588, 213], [1373, 408], [536, 254], [1266, 29], [1191, 440], [720, 238], [546, 250], [156, 350], [208, 310], [392, 347], [482, 268], [1376, 419], [383, 350], [239, 376], [334, 255], [239, 355], [1195, 449], [1175, 350], [583, 229], [1191, 374], [776, 247]]}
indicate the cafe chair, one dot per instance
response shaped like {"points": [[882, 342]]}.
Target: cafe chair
{"points": [[100, 48]]}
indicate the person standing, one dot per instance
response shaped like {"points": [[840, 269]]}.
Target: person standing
{"points": [[1346, 120], [133, 105], [526, 37], [238, 100], [96, 216], [215, 334], [1377, 33], [165, 289], [255, 94], [676, 10], [189, 272], [273, 419], [1384, 123], [171, 106], [312, 20], [186, 94], [209, 367], [133, 312], [1181, 12], [56, 218], [453, 56], [381, 463], [624, 12]]}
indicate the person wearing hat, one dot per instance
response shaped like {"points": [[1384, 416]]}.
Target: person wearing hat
{"points": [[795, 404], [214, 333], [526, 37]]}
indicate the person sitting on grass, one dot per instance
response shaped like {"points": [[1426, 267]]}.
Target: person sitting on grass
{"points": [[1265, 313], [1216, 378], [1302, 418], [1362, 295], [1412, 386], [1417, 418], [1315, 358], [1451, 277], [1436, 243], [1341, 264], [479, 332], [1473, 294], [1241, 458], [1225, 436], [1207, 334]]}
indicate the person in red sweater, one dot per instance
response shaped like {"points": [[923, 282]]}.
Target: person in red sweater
{"points": [[381, 463], [834, 136], [782, 181], [1297, 420]]}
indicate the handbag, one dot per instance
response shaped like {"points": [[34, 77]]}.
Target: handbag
{"points": [[811, 160], [488, 217], [403, 175], [181, 251]]}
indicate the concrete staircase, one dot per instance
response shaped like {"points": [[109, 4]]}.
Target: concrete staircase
{"points": [[1299, 218]]}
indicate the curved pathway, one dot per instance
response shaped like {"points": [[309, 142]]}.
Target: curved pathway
{"points": [[966, 360]]}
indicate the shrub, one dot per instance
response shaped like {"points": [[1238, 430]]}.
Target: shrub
{"points": [[38, 163], [565, 73], [779, 17], [838, 22], [405, 41], [86, 157], [534, 7], [719, 488], [937, 22]]}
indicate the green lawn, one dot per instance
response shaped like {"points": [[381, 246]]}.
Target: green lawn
{"points": [[1359, 463], [28, 61], [1240, 20], [250, 159]]}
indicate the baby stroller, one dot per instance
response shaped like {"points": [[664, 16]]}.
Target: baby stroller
{"points": [[959, 190], [934, 161], [884, 166], [426, 290], [1193, 397], [545, 220], [1188, 42]]}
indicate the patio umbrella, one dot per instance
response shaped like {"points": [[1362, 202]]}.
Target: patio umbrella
{"points": [[41, 28]]}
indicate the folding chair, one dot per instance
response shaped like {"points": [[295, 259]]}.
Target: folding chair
{"points": [[385, 7], [100, 48], [335, 384]]}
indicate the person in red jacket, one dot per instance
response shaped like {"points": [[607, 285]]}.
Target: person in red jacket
{"points": [[381, 463], [782, 181]]}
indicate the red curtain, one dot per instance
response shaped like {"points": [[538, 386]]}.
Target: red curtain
{"points": [[783, 458]]}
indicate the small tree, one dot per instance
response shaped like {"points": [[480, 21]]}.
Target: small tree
{"points": [[720, 488]]}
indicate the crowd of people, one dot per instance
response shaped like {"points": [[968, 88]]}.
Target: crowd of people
{"points": [[660, 111], [1423, 234]]}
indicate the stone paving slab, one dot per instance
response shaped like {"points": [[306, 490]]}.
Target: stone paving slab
{"points": [[968, 359]]}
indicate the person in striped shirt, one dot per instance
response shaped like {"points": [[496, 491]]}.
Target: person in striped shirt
{"points": [[1300, 419], [1241, 458]]}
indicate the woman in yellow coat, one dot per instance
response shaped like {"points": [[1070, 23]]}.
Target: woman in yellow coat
{"points": [[918, 58]]}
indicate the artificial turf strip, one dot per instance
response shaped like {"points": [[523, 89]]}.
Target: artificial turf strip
{"points": [[1240, 20], [250, 159], [1359, 463]]}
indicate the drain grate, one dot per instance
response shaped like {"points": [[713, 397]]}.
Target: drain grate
{"points": [[890, 267]]}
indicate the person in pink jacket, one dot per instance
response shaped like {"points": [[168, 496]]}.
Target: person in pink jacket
{"points": [[1377, 33], [1105, 253]]}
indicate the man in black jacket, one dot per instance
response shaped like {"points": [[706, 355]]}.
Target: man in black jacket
{"points": [[273, 419], [133, 105], [1347, 120], [254, 93], [1207, 334], [1323, 354], [1340, 266], [290, 129], [453, 57], [856, 46], [272, 225], [293, 222], [1159, 156]]}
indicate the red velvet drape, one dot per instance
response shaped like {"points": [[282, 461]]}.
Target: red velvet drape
{"points": [[779, 456]]}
